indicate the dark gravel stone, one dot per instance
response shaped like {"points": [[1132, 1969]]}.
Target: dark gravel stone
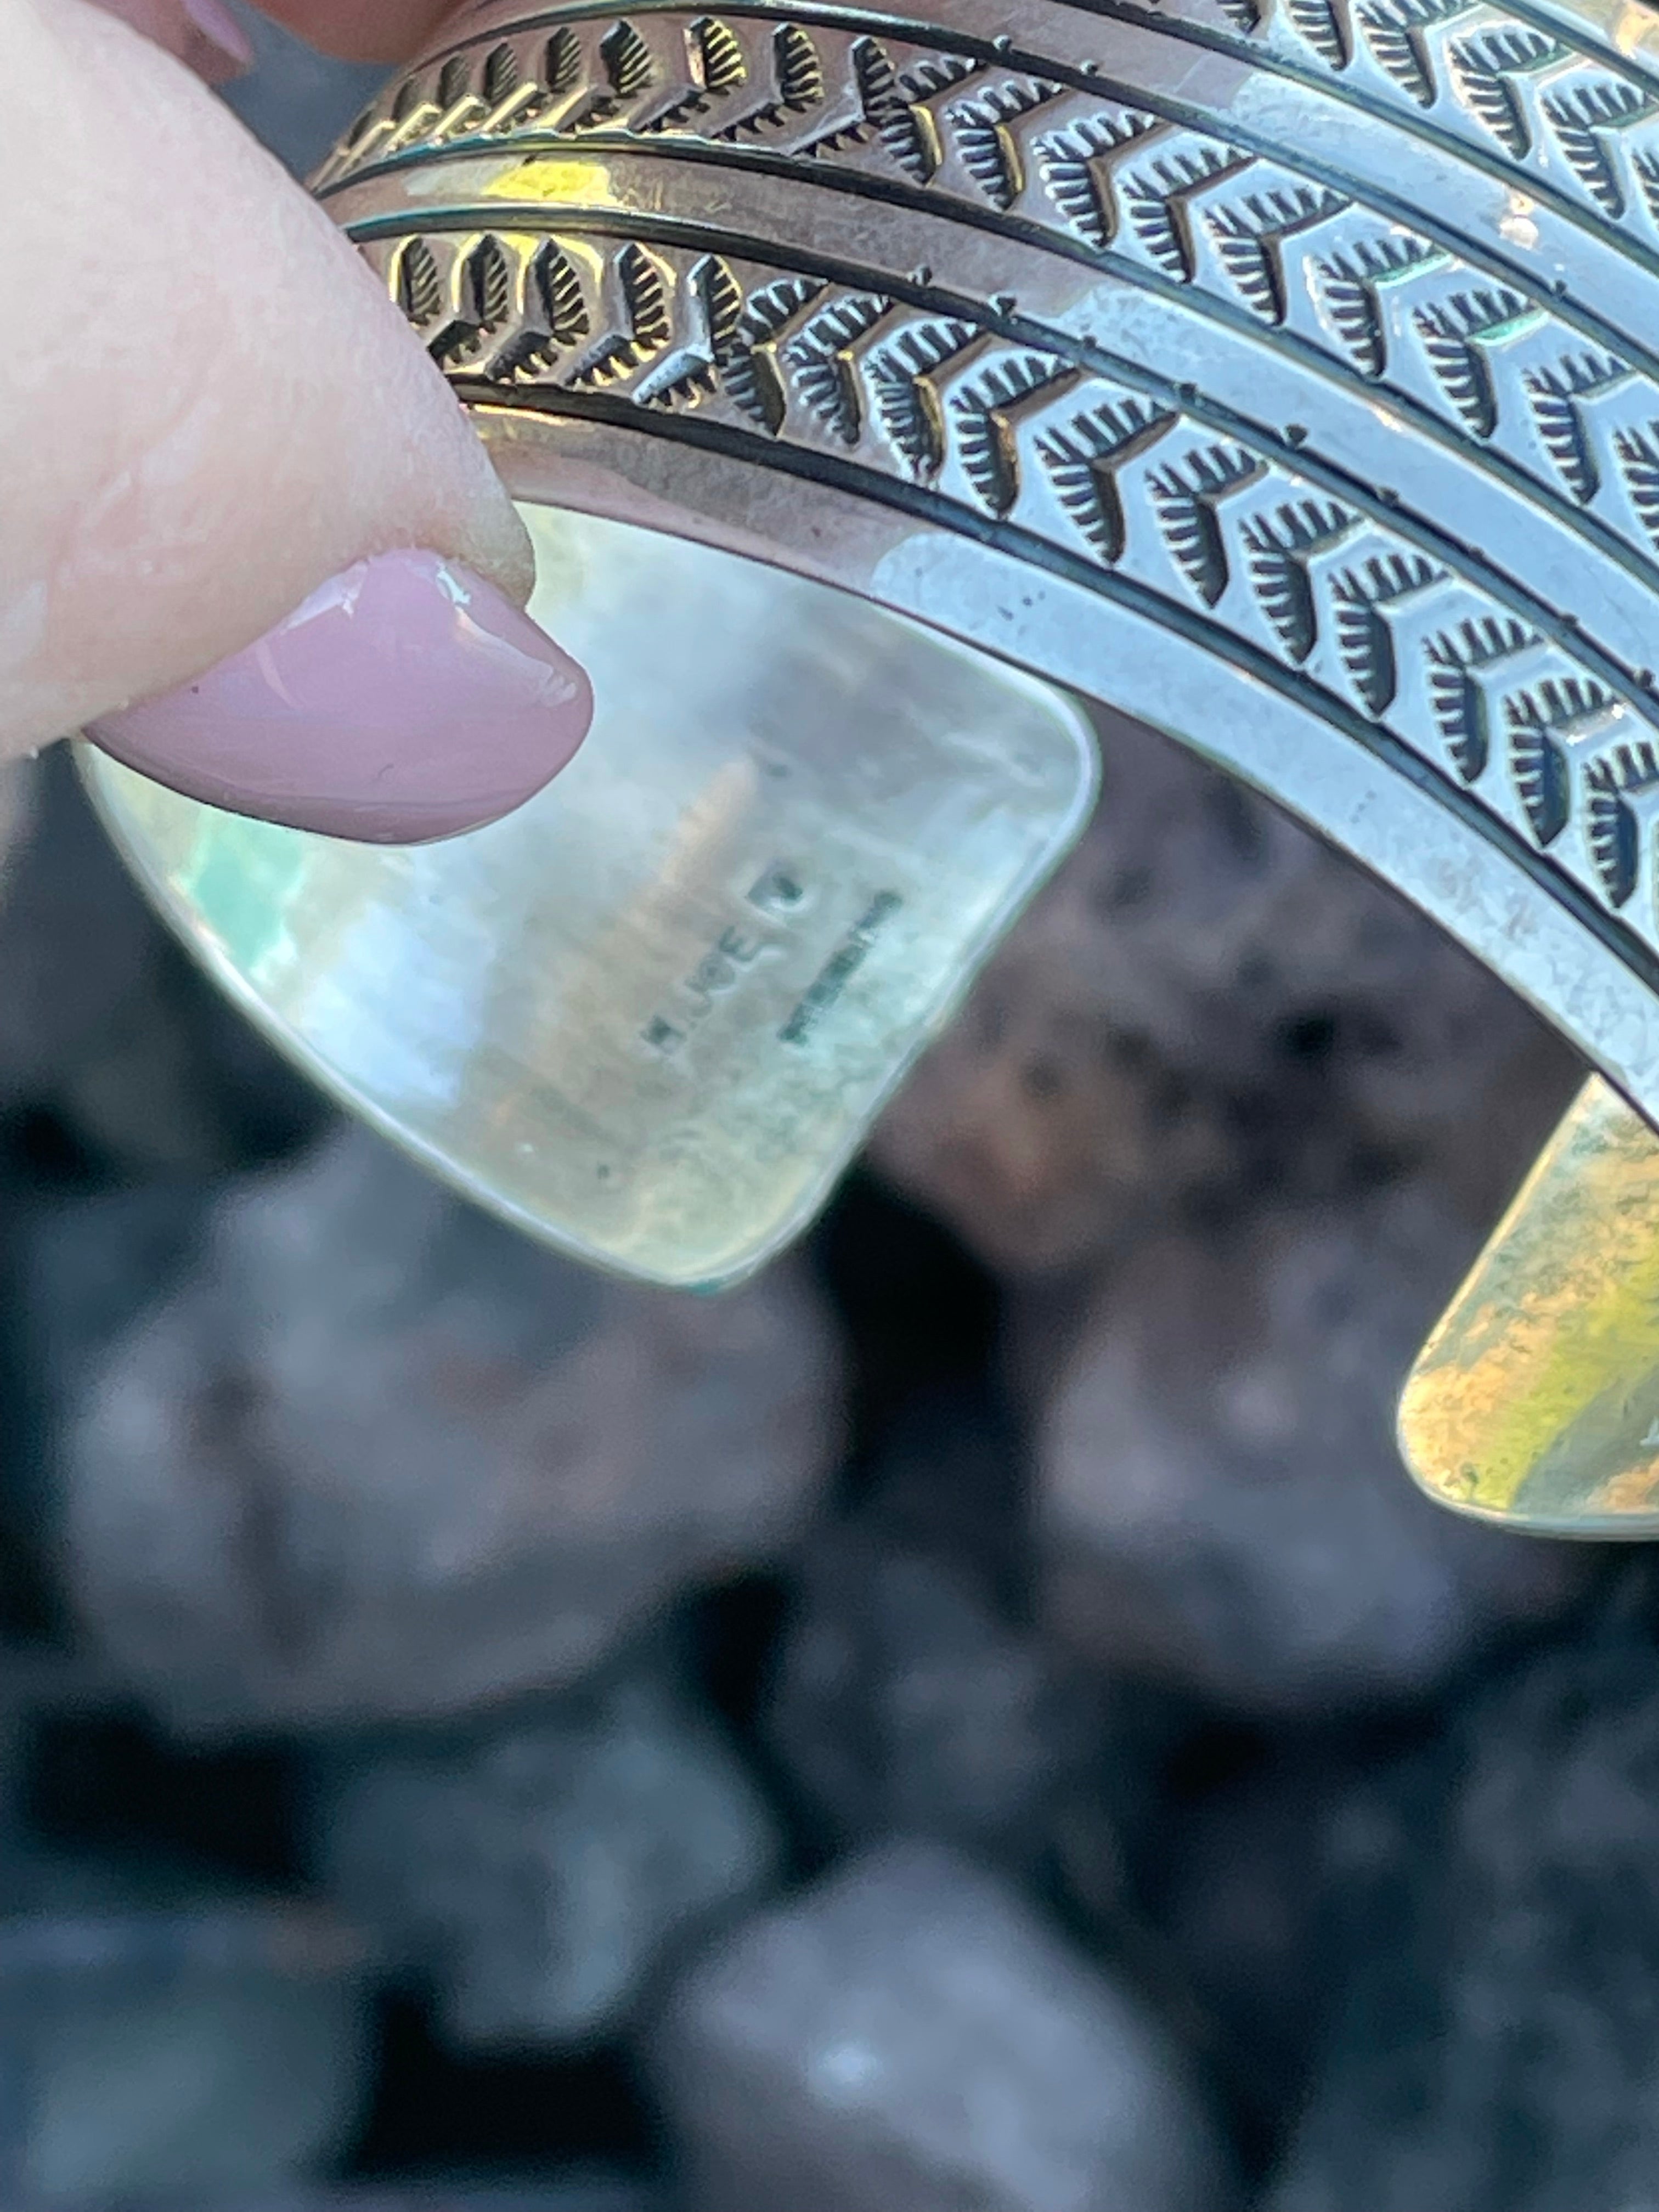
{"points": [[379, 1458], [535, 1876], [907, 2033], [1208, 1000], [1496, 2047], [1220, 1502], [159, 2041]]}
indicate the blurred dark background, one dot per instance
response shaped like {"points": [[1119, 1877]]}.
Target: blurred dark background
{"points": [[978, 1720]]}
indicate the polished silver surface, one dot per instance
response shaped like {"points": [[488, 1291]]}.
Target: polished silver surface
{"points": [[651, 1016], [1284, 373]]}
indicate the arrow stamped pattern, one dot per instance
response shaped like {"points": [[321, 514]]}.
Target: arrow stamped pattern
{"points": [[1124, 482], [1503, 367]]}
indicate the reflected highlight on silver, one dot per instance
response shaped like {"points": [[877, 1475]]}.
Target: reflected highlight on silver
{"points": [[1282, 373], [651, 1016]]}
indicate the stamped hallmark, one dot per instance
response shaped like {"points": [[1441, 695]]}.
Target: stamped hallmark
{"points": [[777, 892], [838, 971]]}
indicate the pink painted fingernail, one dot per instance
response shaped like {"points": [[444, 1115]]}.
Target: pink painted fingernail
{"points": [[214, 23], [405, 700], [204, 34]]}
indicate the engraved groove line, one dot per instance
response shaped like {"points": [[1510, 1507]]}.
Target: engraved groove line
{"points": [[1249, 230], [1221, 422], [1000, 431], [1313, 69], [1387, 208]]}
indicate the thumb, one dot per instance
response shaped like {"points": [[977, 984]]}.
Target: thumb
{"points": [[223, 450]]}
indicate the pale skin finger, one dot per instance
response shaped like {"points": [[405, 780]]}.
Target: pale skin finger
{"points": [[216, 415]]}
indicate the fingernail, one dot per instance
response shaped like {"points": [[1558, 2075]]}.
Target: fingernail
{"points": [[213, 22], [405, 700], [204, 34]]}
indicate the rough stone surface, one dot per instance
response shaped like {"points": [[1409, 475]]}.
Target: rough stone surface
{"points": [[1220, 1501], [1257, 1887], [909, 1694], [105, 1024], [76, 1268], [157, 2044], [1206, 996], [88, 1263], [378, 1457], [77, 947], [535, 1877], [1498, 2049], [908, 2034], [905, 1702]]}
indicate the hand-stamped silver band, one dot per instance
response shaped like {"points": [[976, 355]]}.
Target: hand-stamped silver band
{"points": [[1284, 373]]}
